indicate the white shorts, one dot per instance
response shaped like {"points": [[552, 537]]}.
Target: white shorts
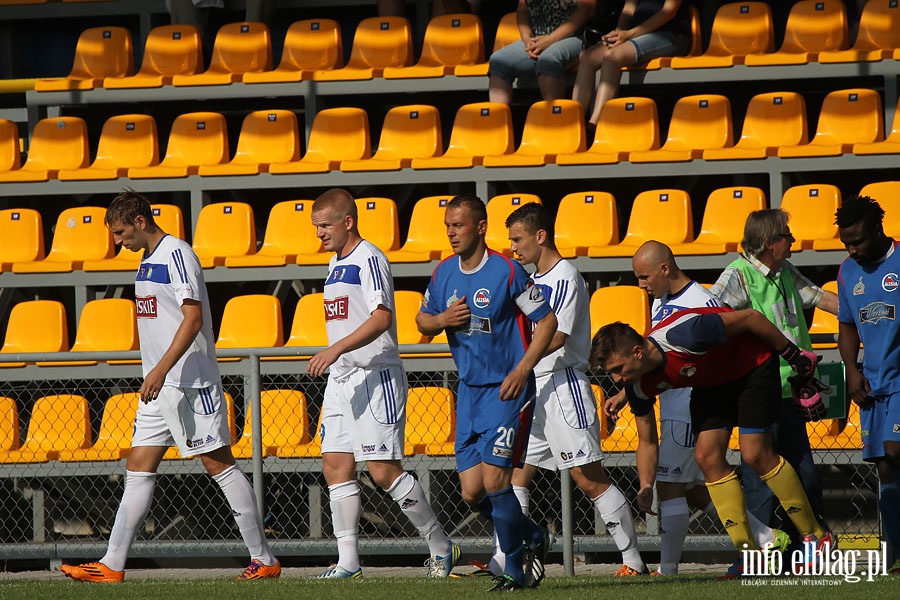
{"points": [[195, 420], [365, 413], [565, 431], [676, 453]]}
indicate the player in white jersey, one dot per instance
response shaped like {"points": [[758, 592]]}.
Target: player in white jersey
{"points": [[364, 411], [565, 431], [181, 397]]}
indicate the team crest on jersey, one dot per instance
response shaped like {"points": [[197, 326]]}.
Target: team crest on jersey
{"points": [[337, 309], [145, 307], [874, 312], [890, 282], [482, 298], [860, 288], [688, 371]]}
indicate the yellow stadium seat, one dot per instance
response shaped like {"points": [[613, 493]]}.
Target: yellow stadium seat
{"points": [[60, 422], [878, 36], [239, 48], [409, 131], [430, 421], [126, 141], [114, 437], [887, 193], [823, 322], [698, 123], [337, 134], [56, 143], [22, 233], [35, 326], [284, 419], [427, 236], [251, 321], [108, 324], [169, 50], [812, 209], [498, 209], [621, 436], [379, 222], [507, 33], [406, 305], [378, 43], [479, 129], [551, 127], [308, 326], [224, 229], [813, 26], [626, 125], [81, 234], [847, 117], [288, 233], [889, 145], [9, 425], [662, 215], [627, 303], [773, 120], [196, 139], [585, 219], [739, 29], [169, 219], [310, 45], [724, 217], [307, 449], [10, 155], [450, 40], [101, 52], [267, 136]]}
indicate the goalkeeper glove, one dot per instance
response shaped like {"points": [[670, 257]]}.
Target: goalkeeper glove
{"points": [[807, 396], [802, 361]]}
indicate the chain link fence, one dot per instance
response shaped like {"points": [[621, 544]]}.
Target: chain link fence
{"points": [[65, 430]]}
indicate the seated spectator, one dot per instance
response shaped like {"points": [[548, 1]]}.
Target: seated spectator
{"points": [[646, 29], [397, 8], [550, 44]]}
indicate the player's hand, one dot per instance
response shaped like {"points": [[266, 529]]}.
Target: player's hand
{"points": [[807, 396], [513, 384], [645, 500], [858, 388], [802, 361], [153, 383], [319, 363], [457, 314], [612, 405]]}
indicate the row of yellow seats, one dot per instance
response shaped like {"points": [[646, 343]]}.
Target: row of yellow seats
{"points": [[742, 34], [59, 427]]}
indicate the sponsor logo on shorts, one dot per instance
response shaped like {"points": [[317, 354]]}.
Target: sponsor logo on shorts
{"points": [[145, 307], [336, 309], [482, 298], [874, 312], [502, 452], [676, 471], [368, 448], [198, 443], [565, 456], [890, 282], [580, 453], [662, 470], [383, 448]]}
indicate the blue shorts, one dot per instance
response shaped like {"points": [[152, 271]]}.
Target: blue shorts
{"points": [[512, 61], [660, 43], [879, 423], [489, 430]]}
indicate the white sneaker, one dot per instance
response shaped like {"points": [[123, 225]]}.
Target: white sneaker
{"points": [[441, 566], [338, 572]]}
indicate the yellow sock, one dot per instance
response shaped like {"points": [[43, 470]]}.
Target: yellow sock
{"points": [[728, 498], [785, 484]]}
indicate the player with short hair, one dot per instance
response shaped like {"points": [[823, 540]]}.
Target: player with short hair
{"points": [[726, 358], [182, 401], [484, 301], [364, 410], [867, 288], [565, 432]]}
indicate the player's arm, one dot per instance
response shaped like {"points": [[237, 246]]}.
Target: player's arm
{"points": [[848, 347], [754, 322], [514, 383], [456, 315], [828, 302], [556, 342], [187, 331], [647, 458], [378, 322]]}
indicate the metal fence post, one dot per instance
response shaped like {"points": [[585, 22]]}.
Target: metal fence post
{"points": [[568, 522], [256, 424]]}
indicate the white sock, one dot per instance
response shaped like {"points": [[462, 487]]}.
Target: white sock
{"points": [[408, 493], [674, 518], [497, 564], [762, 533], [241, 499], [132, 511], [616, 514], [523, 495], [345, 509]]}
